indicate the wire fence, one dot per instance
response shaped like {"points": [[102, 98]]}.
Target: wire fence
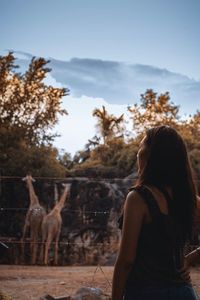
{"points": [[70, 179], [7, 241], [13, 244], [131, 178], [14, 240], [4, 209]]}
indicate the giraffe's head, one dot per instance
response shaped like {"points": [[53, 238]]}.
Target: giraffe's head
{"points": [[67, 188], [28, 178]]}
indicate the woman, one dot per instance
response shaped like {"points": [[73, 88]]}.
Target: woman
{"points": [[157, 222]]}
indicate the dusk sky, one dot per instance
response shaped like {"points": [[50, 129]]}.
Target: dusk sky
{"points": [[144, 43]]}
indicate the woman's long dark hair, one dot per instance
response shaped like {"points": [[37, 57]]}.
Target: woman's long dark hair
{"points": [[168, 165]]}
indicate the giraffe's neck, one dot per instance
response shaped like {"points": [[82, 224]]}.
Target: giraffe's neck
{"points": [[32, 195], [61, 202], [55, 193]]}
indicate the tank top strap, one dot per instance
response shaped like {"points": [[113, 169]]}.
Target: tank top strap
{"points": [[149, 199], [166, 194]]}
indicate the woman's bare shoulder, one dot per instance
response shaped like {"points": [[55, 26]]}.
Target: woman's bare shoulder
{"points": [[135, 200]]}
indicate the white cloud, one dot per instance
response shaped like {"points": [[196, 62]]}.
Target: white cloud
{"points": [[79, 125], [121, 83]]}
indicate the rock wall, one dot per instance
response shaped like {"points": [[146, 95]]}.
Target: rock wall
{"points": [[89, 233], [90, 227]]}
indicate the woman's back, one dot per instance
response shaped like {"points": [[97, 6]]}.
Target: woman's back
{"points": [[159, 254]]}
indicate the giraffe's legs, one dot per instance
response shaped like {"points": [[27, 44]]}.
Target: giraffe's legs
{"points": [[25, 229], [56, 247], [32, 246], [35, 247], [47, 245], [42, 247]]}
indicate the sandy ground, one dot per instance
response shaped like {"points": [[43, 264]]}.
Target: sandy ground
{"points": [[33, 282]]}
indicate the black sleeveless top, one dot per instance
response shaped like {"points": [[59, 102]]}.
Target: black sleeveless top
{"points": [[159, 250]]}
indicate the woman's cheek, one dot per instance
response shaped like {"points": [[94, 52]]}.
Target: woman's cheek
{"points": [[141, 160]]}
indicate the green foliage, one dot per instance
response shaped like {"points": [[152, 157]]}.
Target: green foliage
{"points": [[26, 102], [17, 158], [113, 159], [28, 111], [65, 160], [153, 111], [190, 131], [195, 159], [118, 156], [108, 125]]}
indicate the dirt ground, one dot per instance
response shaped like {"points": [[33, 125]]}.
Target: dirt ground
{"points": [[33, 282]]}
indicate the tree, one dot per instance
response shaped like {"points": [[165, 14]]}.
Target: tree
{"points": [[108, 125], [190, 130], [27, 104], [153, 111], [28, 111], [94, 142], [65, 159]]}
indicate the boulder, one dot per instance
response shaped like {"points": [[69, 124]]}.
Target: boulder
{"points": [[89, 293], [49, 297]]}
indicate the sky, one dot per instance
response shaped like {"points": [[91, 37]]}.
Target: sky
{"points": [[107, 52]]}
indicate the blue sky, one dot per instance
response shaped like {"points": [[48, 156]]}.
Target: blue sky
{"points": [[154, 32], [122, 47]]}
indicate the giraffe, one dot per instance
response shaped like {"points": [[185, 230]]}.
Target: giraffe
{"points": [[51, 227], [33, 219]]}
